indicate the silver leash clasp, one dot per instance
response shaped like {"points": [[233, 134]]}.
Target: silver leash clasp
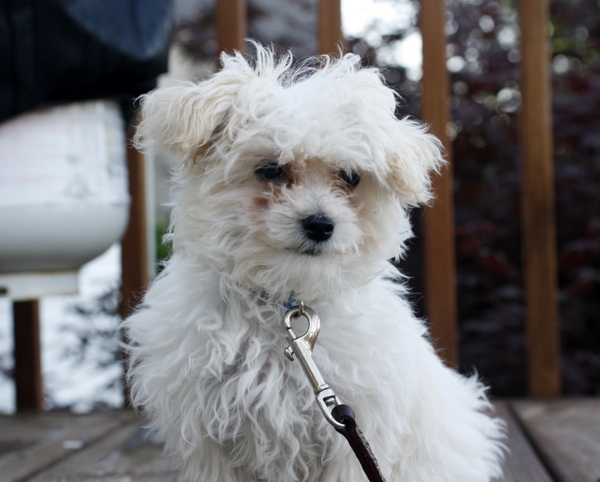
{"points": [[302, 347]]}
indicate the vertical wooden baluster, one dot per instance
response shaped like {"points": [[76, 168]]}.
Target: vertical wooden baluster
{"points": [[538, 205], [330, 35], [231, 21], [134, 246], [27, 355], [135, 274], [440, 253]]}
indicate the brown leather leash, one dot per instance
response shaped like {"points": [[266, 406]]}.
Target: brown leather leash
{"points": [[337, 414], [358, 442]]}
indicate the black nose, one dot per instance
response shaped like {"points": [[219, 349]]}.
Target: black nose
{"points": [[317, 227]]}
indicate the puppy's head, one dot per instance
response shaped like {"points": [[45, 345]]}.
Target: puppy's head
{"points": [[291, 179]]}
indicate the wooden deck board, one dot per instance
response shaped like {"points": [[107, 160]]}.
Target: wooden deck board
{"points": [[29, 443], [549, 441], [521, 463], [566, 434], [129, 453]]}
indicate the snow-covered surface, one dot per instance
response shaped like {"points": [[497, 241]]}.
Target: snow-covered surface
{"points": [[68, 379]]}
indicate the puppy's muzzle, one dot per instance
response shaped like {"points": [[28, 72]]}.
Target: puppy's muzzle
{"points": [[317, 227]]}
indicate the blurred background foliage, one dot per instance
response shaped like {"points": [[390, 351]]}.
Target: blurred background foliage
{"points": [[485, 111], [483, 60]]}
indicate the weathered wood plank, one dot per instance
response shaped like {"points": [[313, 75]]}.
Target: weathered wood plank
{"points": [[129, 453], [31, 442], [521, 463], [538, 204], [114, 446], [566, 434], [440, 252]]}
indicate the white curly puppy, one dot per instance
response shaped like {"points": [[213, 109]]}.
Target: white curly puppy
{"points": [[296, 180]]}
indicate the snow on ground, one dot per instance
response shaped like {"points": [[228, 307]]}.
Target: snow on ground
{"points": [[75, 378], [7, 388]]}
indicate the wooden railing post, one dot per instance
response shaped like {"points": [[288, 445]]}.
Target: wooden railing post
{"points": [[134, 245], [231, 20], [538, 204], [27, 355], [440, 253], [330, 35], [135, 275]]}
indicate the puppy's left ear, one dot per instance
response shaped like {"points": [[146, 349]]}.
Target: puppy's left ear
{"points": [[181, 118], [186, 117], [415, 157]]}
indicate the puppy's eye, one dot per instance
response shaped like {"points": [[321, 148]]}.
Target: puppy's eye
{"points": [[270, 172], [350, 178]]}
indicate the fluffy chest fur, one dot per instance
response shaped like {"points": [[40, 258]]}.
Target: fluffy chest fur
{"points": [[213, 376]]}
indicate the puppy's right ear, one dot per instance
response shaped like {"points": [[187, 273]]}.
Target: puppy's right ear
{"points": [[183, 118]]}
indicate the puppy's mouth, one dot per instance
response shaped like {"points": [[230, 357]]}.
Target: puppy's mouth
{"points": [[312, 251], [307, 251]]}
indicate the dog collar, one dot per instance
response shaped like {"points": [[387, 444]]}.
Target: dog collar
{"points": [[291, 302]]}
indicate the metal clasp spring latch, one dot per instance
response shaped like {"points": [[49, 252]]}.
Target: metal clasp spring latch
{"points": [[302, 347]]}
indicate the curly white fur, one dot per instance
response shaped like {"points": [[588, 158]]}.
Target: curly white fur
{"points": [[206, 348]]}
